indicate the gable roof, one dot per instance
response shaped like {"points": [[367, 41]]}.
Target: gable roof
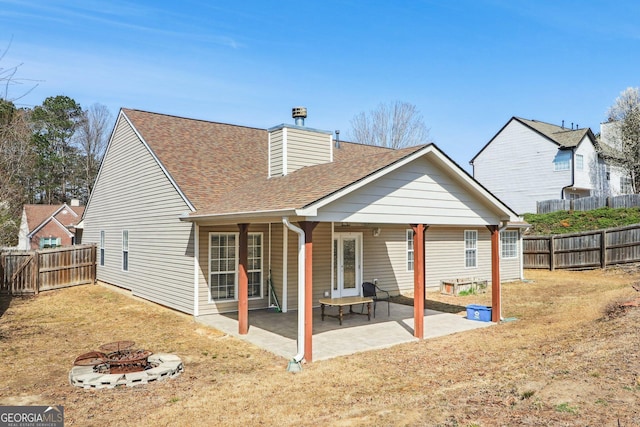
{"points": [[38, 215], [564, 138], [222, 169], [210, 160], [304, 186]]}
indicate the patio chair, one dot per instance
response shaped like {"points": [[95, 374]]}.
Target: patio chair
{"points": [[372, 290]]}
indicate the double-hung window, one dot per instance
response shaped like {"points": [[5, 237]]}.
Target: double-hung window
{"points": [[562, 161], [509, 244], [223, 265], [50, 242], [409, 250], [125, 250], [579, 162], [254, 265], [470, 248]]}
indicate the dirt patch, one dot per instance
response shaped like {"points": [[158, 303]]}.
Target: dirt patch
{"points": [[562, 362]]}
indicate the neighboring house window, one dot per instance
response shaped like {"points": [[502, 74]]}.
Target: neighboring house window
{"points": [[101, 247], [509, 244], [470, 248], [50, 242], [625, 185], [223, 263], [125, 250], [579, 162], [562, 161], [254, 265], [409, 250]]}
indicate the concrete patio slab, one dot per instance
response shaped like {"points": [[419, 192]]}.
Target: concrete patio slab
{"points": [[277, 332]]}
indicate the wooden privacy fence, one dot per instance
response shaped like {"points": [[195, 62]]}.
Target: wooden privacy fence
{"points": [[29, 272], [590, 249], [588, 203]]}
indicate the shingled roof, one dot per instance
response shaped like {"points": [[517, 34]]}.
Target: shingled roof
{"points": [[566, 138], [210, 161], [37, 214]]}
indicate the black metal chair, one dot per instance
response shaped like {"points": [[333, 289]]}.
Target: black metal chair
{"points": [[372, 290]]}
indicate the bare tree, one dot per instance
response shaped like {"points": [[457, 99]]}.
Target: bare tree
{"points": [[17, 162], [91, 138], [624, 116], [395, 125], [8, 79]]}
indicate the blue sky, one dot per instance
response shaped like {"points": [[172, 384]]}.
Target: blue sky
{"points": [[467, 65]]}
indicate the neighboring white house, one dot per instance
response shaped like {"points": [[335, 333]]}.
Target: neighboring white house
{"points": [[202, 216], [528, 161], [620, 181]]}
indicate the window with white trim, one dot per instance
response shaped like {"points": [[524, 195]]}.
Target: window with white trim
{"points": [[125, 250], [509, 244], [579, 162], [410, 250], [254, 265], [223, 265], [101, 247], [470, 248], [50, 242], [562, 161]]}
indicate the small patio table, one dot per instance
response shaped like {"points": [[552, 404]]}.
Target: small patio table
{"points": [[343, 302]]}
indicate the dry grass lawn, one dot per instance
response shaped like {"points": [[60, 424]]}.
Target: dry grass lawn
{"points": [[563, 362]]}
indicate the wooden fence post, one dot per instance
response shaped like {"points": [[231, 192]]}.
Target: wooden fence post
{"points": [[552, 253], [603, 249], [35, 276]]}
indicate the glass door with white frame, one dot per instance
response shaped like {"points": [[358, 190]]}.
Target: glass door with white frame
{"points": [[347, 264]]}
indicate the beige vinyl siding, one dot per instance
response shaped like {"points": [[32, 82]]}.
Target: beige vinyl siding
{"points": [[205, 306], [276, 260], [275, 153], [419, 192], [385, 258], [307, 148], [510, 268], [321, 265], [133, 193], [445, 255], [322, 244], [292, 148]]}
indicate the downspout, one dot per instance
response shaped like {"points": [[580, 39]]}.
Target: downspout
{"points": [[196, 268], [573, 174], [301, 291]]}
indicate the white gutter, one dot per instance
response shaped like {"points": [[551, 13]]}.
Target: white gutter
{"points": [[301, 287]]}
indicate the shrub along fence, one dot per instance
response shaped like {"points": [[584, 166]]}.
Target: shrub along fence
{"points": [[29, 272], [590, 249], [588, 203]]}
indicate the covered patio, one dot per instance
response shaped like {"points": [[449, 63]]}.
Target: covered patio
{"points": [[276, 332]]}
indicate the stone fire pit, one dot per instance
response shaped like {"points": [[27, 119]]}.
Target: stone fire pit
{"points": [[116, 364]]}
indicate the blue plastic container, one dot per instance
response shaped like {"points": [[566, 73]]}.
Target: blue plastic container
{"points": [[480, 313]]}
